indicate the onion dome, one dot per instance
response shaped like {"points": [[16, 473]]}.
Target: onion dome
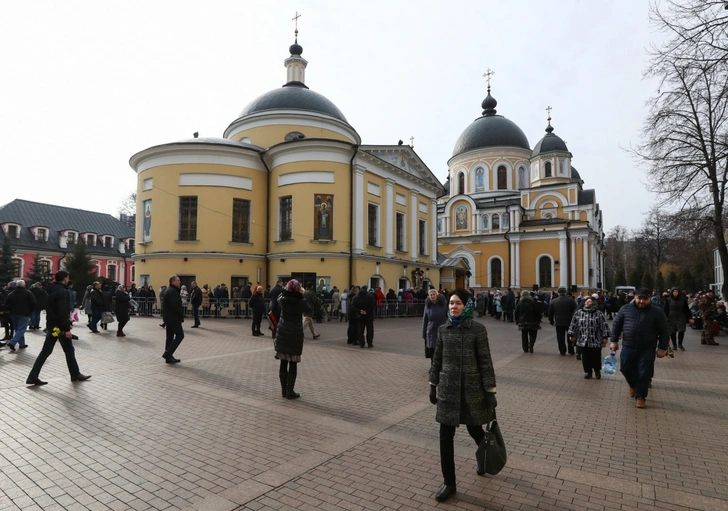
{"points": [[550, 143]]}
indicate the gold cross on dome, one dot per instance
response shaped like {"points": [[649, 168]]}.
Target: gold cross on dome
{"points": [[548, 109], [295, 19], [488, 73]]}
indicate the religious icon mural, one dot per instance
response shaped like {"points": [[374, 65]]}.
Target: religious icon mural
{"points": [[479, 178], [505, 222], [323, 213], [147, 223], [461, 218], [484, 224]]}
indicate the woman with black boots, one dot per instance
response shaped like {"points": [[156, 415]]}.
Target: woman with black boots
{"points": [[678, 314], [590, 331], [257, 305], [289, 336], [462, 385], [121, 307]]}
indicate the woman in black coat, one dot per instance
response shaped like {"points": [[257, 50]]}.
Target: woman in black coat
{"points": [[257, 304], [121, 307], [462, 384], [528, 317], [289, 336]]}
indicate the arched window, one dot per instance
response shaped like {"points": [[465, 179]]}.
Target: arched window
{"points": [[496, 272], [479, 179], [294, 135], [461, 183], [522, 177], [505, 221], [544, 271], [496, 221], [547, 169], [502, 177]]}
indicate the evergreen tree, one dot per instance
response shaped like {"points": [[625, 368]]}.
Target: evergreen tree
{"points": [[687, 282], [620, 279], [647, 281], [672, 280], [7, 272], [80, 268], [37, 272], [660, 282], [635, 277]]}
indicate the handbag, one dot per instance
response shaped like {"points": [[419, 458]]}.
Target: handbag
{"points": [[107, 318], [494, 448]]}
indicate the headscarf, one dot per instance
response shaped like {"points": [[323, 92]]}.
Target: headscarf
{"points": [[259, 289], [294, 286], [591, 308], [467, 313]]}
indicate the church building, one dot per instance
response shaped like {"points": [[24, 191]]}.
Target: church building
{"points": [[289, 191], [519, 216]]}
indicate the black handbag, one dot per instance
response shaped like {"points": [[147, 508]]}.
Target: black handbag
{"points": [[494, 447]]}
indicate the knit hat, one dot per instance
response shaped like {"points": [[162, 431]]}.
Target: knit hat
{"points": [[20, 283], [293, 285], [595, 295], [11, 285], [561, 291]]}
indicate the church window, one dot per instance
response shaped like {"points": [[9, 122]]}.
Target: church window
{"points": [[400, 233], [461, 183], [496, 273], [373, 224], [544, 271], [187, 218], [294, 135], [505, 221], [439, 225], [479, 179], [496, 221], [285, 218], [547, 169], [423, 237], [502, 177], [241, 221], [562, 166], [522, 177]]}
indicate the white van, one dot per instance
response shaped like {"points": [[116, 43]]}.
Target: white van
{"points": [[625, 289]]}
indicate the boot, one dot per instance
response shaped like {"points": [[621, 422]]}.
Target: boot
{"points": [[290, 383], [284, 378]]}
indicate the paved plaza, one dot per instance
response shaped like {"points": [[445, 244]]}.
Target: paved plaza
{"points": [[213, 433]]}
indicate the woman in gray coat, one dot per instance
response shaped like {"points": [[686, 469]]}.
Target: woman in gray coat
{"points": [[462, 384], [435, 315]]}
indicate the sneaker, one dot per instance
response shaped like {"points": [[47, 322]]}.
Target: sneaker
{"points": [[640, 403], [632, 391]]}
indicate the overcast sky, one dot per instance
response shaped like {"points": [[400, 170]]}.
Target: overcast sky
{"points": [[86, 84]]}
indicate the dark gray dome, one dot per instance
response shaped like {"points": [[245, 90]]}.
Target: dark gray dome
{"points": [[491, 131], [550, 143], [293, 96], [575, 174]]}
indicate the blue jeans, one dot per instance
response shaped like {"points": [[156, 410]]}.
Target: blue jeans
{"points": [[48, 345], [35, 319], [20, 324], [638, 366], [95, 318], [175, 334]]}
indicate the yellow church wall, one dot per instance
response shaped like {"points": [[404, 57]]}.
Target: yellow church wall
{"points": [[453, 217], [381, 201], [303, 218], [335, 269], [214, 208], [530, 250], [267, 136], [482, 271], [205, 270]]}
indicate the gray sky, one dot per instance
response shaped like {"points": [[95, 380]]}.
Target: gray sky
{"points": [[86, 84]]}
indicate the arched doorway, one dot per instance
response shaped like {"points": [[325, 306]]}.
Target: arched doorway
{"points": [[545, 272], [496, 273]]}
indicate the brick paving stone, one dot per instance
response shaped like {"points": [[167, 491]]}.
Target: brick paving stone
{"points": [[146, 435]]}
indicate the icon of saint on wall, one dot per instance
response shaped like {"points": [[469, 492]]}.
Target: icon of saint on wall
{"points": [[323, 217], [461, 218]]}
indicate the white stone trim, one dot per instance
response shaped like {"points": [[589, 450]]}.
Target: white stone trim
{"points": [[147, 184], [222, 180], [305, 177], [195, 154], [374, 189], [293, 118], [488, 272], [401, 199], [538, 270]]}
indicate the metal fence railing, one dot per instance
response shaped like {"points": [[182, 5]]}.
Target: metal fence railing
{"points": [[239, 308]]}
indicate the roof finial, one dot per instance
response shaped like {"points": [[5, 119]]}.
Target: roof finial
{"points": [[549, 129], [488, 73], [412, 142], [295, 19], [489, 103]]}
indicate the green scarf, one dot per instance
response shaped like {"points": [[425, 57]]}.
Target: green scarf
{"points": [[467, 313], [591, 308]]}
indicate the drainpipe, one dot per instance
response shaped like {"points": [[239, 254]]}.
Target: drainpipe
{"points": [[351, 213], [508, 238], [267, 214], [569, 255]]}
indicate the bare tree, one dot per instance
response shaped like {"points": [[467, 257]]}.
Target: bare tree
{"points": [[685, 147], [128, 205], [652, 240]]}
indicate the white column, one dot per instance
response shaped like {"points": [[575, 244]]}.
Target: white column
{"points": [[511, 266], [358, 241], [433, 231], [593, 247], [389, 226], [120, 277], [563, 270], [585, 249], [414, 223], [517, 268], [573, 261]]}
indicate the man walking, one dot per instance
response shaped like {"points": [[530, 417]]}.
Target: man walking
{"points": [[174, 316], [313, 301], [643, 327], [275, 307], [196, 301], [561, 310], [20, 304], [363, 305], [97, 307], [40, 299], [58, 328]]}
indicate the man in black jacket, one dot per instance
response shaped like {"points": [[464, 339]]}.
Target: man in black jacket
{"points": [[643, 327], [352, 334], [174, 316], [196, 301], [58, 328], [97, 307], [363, 305], [275, 307], [20, 304], [561, 310], [40, 303]]}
